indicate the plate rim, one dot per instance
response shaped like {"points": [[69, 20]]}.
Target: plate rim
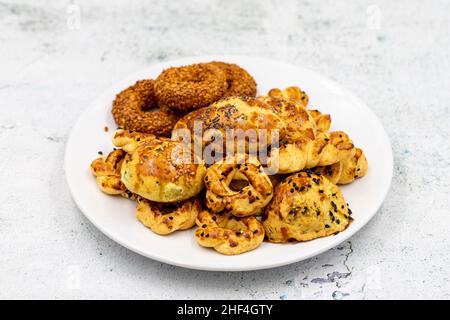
{"points": [[192, 59]]}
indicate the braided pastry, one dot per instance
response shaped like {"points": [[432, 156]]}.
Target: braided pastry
{"points": [[304, 153], [129, 140], [165, 218], [107, 172], [227, 234], [346, 171], [323, 121], [290, 93], [249, 200]]}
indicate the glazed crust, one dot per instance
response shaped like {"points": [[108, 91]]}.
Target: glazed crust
{"points": [[107, 172], [165, 218], [190, 87], [235, 113], [290, 93], [131, 110], [158, 170], [305, 206], [298, 121], [346, 171], [304, 153], [239, 81], [305, 146], [227, 234], [323, 121], [251, 199]]}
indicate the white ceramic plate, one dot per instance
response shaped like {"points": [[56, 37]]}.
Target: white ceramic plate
{"points": [[115, 216]]}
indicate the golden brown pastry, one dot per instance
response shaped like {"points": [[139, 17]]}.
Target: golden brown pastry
{"points": [[323, 121], [128, 140], [247, 201], [227, 234], [165, 218], [107, 172], [305, 152], [305, 206], [305, 145], [157, 168], [292, 93], [346, 171], [233, 113], [297, 120]]}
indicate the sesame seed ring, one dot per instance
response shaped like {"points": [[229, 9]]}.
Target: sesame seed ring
{"points": [[165, 218], [249, 200], [239, 81], [190, 87], [227, 234], [131, 110]]}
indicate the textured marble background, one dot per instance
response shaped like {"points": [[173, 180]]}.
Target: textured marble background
{"points": [[57, 56]]}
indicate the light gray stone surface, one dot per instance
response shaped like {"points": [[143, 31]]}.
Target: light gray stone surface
{"points": [[394, 54]]}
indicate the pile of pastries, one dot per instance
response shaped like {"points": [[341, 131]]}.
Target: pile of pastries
{"points": [[236, 198]]}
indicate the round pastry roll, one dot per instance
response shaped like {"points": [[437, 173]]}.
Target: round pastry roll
{"points": [[228, 234], [165, 218], [305, 206], [231, 116], [158, 170], [249, 200]]}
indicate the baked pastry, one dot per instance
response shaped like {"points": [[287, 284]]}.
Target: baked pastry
{"points": [[297, 120], [107, 172], [190, 87], [239, 81], [305, 206], [305, 152], [132, 110], [247, 201], [323, 121], [227, 234], [346, 171], [236, 113], [165, 218], [304, 146], [157, 169], [291, 93]]}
